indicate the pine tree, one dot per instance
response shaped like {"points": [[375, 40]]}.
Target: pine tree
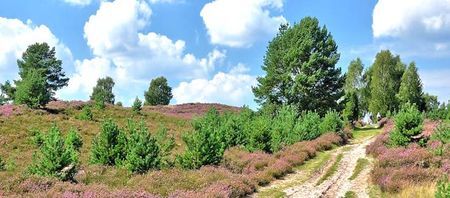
{"points": [[32, 91], [109, 146], [300, 66], [137, 105], [411, 88]]}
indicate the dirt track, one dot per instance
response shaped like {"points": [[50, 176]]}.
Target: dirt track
{"points": [[334, 186]]}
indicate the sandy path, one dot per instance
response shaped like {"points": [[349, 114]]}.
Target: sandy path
{"points": [[336, 185]]}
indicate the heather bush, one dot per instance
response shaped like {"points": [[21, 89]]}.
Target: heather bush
{"points": [[137, 105], [308, 127], [408, 123], [109, 146], [55, 158], [86, 113], [143, 151], [282, 128], [332, 122], [74, 140]]}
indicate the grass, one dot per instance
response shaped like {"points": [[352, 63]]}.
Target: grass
{"points": [[350, 194], [309, 168], [416, 191], [360, 165], [363, 133], [330, 172]]}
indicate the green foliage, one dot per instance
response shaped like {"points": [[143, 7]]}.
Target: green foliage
{"points": [[159, 92], [443, 188], [137, 105], [203, 145], [119, 104], [332, 122], [411, 88], [32, 90], [2, 164], [166, 144], [282, 128], [55, 158], [7, 92], [102, 92], [351, 112], [308, 126], [109, 146], [354, 77], [442, 133], [74, 139], [86, 113], [386, 74], [259, 135], [37, 137], [300, 66], [408, 123], [143, 151]]}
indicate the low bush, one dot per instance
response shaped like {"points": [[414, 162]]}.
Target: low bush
{"points": [[166, 144], [443, 188], [442, 133], [332, 122], [137, 105], [74, 140], [308, 127], [55, 158], [408, 123], [86, 113], [259, 134], [143, 151], [109, 146], [282, 128]]}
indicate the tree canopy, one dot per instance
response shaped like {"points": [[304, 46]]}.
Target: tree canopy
{"points": [[102, 92], [300, 66], [159, 92], [411, 88]]}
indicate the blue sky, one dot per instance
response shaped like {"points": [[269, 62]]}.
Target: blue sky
{"points": [[212, 50]]}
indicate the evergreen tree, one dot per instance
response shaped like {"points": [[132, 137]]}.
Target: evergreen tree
{"points": [[7, 91], [102, 92], [300, 66], [55, 157], [32, 91], [385, 83], [74, 140], [137, 105], [39, 57], [411, 88], [159, 92], [109, 146]]}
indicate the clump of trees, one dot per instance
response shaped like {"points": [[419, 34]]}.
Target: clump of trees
{"points": [[133, 147], [102, 93], [159, 92], [57, 157], [40, 74]]}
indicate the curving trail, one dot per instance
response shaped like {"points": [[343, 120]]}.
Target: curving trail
{"points": [[304, 183]]}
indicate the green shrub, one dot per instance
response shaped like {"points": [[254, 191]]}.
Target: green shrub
{"points": [[109, 146], [143, 152], [55, 158], [442, 133], [86, 113], [166, 144], [332, 122], [204, 145], [443, 189], [259, 135], [2, 164], [282, 128], [408, 123], [32, 90], [74, 140], [37, 137], [137, 105], [119, 104], [308, 126]]}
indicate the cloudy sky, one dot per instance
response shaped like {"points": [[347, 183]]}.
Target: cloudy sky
{"points": [[212, 50]]}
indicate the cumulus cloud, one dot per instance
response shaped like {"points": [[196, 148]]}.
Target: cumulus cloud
{"points": [[237, 23], [78, 2], [419, 25], [16, 36], [436, 82], [234, 88]]}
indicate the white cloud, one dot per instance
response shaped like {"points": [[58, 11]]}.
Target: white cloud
{"points": [[78, 2], [233, 88], [417, 27], [238, 23], [436, 82], [16, 36]]}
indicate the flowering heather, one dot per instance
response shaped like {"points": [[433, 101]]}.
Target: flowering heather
{"points": [[61, 105], [9, 110], [429, 126]]}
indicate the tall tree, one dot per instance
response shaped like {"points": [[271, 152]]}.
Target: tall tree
{"points": [[411, 88], [300, 69], [159, 92], [102, 92], [31, 90], [354, 77], [42, 58], [351, 112], [385, 82]]}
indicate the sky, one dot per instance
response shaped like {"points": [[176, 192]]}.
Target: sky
{"points": [[212, 50]]}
